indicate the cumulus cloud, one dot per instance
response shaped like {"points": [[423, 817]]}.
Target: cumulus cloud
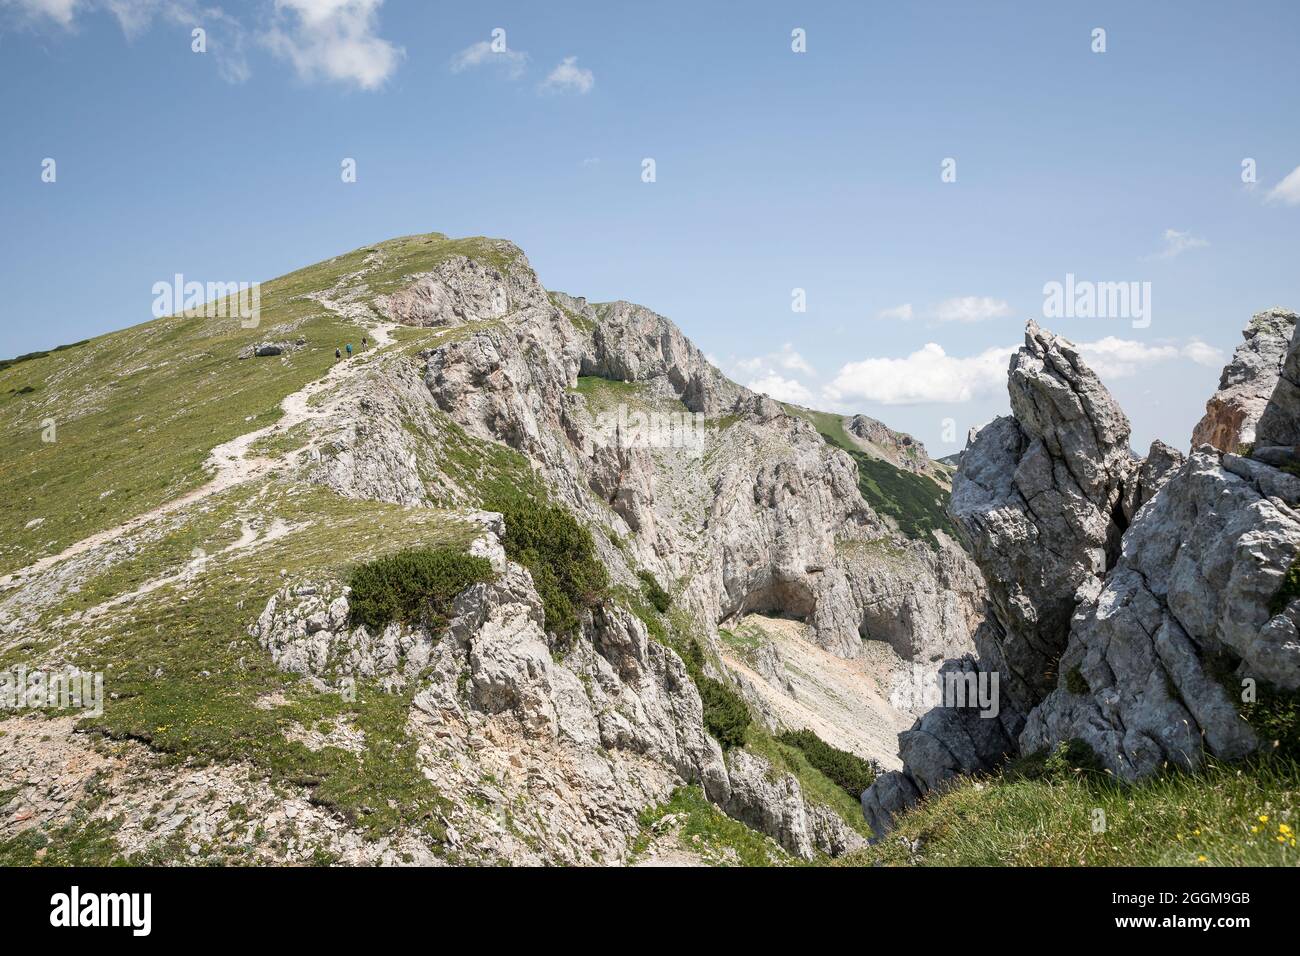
{"points": [[568, 77], [334, 40], [902, 313], [932, 375], [786, 359], [1288, 190], [1203, 354], [927, 375], [1113, 357], [971, 308], [62, 12], [781, 389], [225, 35], [513, 62], [1176, 243]]}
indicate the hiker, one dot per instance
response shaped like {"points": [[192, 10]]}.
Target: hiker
{"points": [[337, 355], [349, 350], [363, 341]]}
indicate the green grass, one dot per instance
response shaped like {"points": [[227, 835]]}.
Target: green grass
{"points": [[1210, 818], [816, 786], [187, 676], [137, 411], [711, 834]]}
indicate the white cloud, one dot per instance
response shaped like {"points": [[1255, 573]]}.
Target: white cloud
{"points": [[932, 375], [927, 375], [568, 77], [591, 161], [792, 361], [1203, 354], [786, 359], [225, 34], [514, 62], [1288, 190], [971, 308], [334, 39], [903, 313], [782, 389], [1113, 357], [62, 12], [1176, 243]]}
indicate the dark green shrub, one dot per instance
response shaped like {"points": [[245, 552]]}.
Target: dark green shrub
{"points": [[561, 556], [414, 587], [845, 769], [1076, 683], [654, 593], [1275, 716], [1288, 591], [725, 715]]}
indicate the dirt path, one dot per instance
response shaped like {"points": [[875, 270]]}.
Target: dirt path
{"points": [[230, 462]]}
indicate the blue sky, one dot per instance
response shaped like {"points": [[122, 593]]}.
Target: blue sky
{"points": [[775, 171]]}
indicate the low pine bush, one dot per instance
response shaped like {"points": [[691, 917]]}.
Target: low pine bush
{"points": [[561, 556], [725, 715], [654, 593], [845, 769], [413, 587]]}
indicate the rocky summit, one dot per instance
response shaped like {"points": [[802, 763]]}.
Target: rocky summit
{"points": [[431, 565]]}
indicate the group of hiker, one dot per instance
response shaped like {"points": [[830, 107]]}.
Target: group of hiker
{"points": [[339, 354]]}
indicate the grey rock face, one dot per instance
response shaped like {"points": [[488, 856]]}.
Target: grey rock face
{"points": [[963, 735], [1036, 499], [762, 515], [630, 343], [462, 290], [1248, 380], [1160, 464], [613, 727], [773, 803], [899, 449], [889, 795], [1189, 596]]}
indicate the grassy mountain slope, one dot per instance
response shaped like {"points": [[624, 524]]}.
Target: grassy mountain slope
{"points": [[914, 501], [137, 411]]}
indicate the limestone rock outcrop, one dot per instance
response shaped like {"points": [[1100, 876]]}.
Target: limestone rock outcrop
{"points": [[1036, 499], [1248, 380], [1154, 592]]}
